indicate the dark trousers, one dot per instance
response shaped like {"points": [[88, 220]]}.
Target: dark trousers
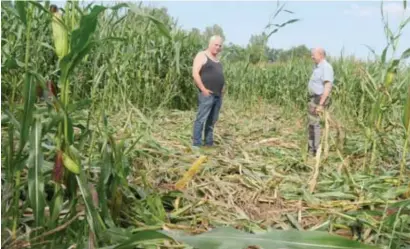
{"points": [[314, 122]]}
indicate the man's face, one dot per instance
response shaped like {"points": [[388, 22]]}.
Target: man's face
{"points": [[316, 57], [216, 46]]}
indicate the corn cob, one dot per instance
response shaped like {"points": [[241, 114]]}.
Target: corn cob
{"points": [[60, 34], [389, 78], [70, 164], [190, 173]]}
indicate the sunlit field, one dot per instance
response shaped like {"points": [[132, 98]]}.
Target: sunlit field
{"points": [[98, 105]]}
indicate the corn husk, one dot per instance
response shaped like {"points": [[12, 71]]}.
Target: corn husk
{"points": [[70, 164], [60, 35]]}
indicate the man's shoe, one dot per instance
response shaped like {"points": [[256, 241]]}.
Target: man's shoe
{"points": [[312, 153]]}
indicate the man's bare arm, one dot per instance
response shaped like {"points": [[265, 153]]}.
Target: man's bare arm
{"points": [[326, 92], [328, 77], [198, 62]]}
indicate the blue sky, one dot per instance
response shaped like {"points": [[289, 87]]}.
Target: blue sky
{"points": [[334, 25]]}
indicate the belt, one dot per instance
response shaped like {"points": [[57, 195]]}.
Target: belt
{"points": [[313, 95]]}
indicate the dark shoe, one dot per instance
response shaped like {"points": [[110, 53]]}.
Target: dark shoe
{"points": [[312, 153]]}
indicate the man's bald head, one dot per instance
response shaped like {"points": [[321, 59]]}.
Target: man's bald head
{"points": [[215, 38], [318, 54], [215, 44], [320, 51]]}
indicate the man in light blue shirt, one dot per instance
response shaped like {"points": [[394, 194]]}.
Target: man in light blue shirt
{"points": [[320, 86]]}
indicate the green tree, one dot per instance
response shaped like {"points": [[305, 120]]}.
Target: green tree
{"points": [[257, 48], [234, 53], [214, 30], [295, 52]]}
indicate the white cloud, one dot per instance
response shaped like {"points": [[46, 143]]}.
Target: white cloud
{"points": [[395, 9], [361, 11], [391, 9]]}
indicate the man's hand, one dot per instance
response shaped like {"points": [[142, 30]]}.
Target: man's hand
{"points": [[319, 109], [206, 92]]}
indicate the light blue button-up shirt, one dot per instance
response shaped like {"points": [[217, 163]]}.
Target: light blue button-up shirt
{"points": [[321, 73]]}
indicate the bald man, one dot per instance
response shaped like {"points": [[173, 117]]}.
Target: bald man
{"points": [[209, 78], [320, 86]]}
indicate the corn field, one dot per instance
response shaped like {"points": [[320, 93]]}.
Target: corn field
{"points": [[98, 104]]}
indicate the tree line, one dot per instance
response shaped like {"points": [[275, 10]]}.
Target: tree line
{"points": [[256, 51]]}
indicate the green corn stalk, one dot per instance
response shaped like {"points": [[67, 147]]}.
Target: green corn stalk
{"points": [[406, 122], [383, 92], [70, 56], [25, 14], [406, 113], [61, 45], [36, 178]]}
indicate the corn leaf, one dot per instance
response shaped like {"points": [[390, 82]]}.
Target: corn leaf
{"points": [[29, 99], [278, 11], [106, 168], [119, 6], [229, 238], [91, 212], [286, 23], [177, 48], [405, 54], [56, 206], [139, 237], [404, 23], [8, 117], [35, 174], [119, 235], [371, 49], [273, 32], [406, 114], [79, 105], [11, 63], [70, 131], [39, 6], [21, 10], [80, 41], [383, 58], [281, 26], [160, 25], [82, 34]]}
